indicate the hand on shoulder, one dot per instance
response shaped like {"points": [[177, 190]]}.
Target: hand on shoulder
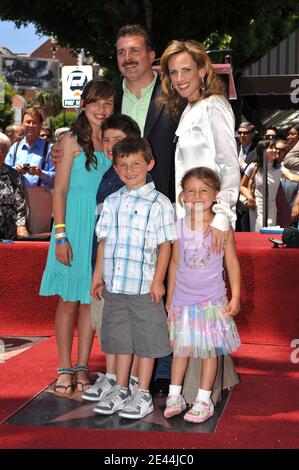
{"points": [[69, 147]]}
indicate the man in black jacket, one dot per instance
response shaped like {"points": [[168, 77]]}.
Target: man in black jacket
{"points": [[246, 135], [137, 97]]}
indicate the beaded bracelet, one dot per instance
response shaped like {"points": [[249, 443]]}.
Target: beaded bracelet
{"points": [[60, 235], [59, 226], [60, 241]]}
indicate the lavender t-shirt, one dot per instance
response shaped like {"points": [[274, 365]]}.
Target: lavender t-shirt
{"points": [[199, 275]]}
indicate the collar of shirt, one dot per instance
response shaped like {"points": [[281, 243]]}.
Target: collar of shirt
{"points": [[145, 92], [245, 150], [137, 108], [139, 191], [38, 144]]}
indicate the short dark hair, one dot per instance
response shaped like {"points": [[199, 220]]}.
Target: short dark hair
{"points": [[123, 123], [130, 145], [135, 30], [271, 128], [293, 126], [47, 129], [247, 125]]}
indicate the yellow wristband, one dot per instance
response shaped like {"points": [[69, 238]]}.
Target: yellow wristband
{"points": [[59, 226]]}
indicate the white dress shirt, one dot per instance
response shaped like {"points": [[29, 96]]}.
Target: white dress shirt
{"points": [[206, 138]]}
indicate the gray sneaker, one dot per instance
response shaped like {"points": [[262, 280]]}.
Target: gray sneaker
{"points": [[102, 386], [140, 405], [113, 401]]}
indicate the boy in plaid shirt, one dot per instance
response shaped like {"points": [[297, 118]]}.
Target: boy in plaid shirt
{"points": [[135, 232]]}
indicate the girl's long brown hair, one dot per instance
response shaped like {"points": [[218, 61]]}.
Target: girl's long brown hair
{"points": [[212, 85], [97, 89]]}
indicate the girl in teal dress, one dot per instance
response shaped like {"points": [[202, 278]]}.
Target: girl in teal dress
{"points": [[68, 270]]}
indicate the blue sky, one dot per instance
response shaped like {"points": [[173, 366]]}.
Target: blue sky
{"points": [[19, 40]]}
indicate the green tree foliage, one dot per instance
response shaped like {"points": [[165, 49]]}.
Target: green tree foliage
{"points": [[50, 103], [250, 27], [63, 119], [6, 111]]}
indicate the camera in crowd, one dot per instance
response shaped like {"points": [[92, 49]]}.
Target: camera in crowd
{"points": [[26, 167]]}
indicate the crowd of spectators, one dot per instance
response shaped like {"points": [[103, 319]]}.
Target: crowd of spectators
{"points": [[28, 151], [270, 177], [26, 176]]}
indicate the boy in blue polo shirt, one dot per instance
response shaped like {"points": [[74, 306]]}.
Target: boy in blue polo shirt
{"points": [[135, 232]]}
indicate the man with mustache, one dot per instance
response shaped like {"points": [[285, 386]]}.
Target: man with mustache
{"points": [[136, 97]]}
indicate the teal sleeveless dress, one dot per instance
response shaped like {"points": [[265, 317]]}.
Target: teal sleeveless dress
{"points": [[72, 283]]}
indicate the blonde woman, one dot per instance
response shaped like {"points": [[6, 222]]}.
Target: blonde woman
{"points": [[205, 137], [205, 134]]}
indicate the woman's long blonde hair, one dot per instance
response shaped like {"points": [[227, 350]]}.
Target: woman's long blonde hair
{"points": [[212, 84]]}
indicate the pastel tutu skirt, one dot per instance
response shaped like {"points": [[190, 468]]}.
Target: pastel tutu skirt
{"points": [[202, 330]]}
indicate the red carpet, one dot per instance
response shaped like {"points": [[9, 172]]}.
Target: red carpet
{"points": [[32, 371], [270, 301], [260, 413], [263, 409], [259, 359], [23, 311]]}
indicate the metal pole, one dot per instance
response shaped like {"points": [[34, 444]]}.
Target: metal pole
{"points": [[265, 190]]}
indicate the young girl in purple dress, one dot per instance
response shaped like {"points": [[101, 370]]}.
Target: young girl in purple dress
{"points": [[199, 313]]}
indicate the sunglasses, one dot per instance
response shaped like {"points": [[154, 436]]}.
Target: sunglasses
{"points": [[243, 132], [270, 136]]}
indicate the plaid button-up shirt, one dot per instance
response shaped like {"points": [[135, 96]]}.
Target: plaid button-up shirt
{"points": [[134, 223]]}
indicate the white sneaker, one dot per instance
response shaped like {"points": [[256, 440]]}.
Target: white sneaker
{"points": [[201, 411], [102, 386], [113, 401], [140, 405], [133, 386], [175, 404]]}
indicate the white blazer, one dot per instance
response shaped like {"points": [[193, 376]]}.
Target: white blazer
{"points": [[206, 138]]}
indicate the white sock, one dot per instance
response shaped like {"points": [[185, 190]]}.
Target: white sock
{"points": [[134, 378], [204, 395], [110, 376], [175, 390]]}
